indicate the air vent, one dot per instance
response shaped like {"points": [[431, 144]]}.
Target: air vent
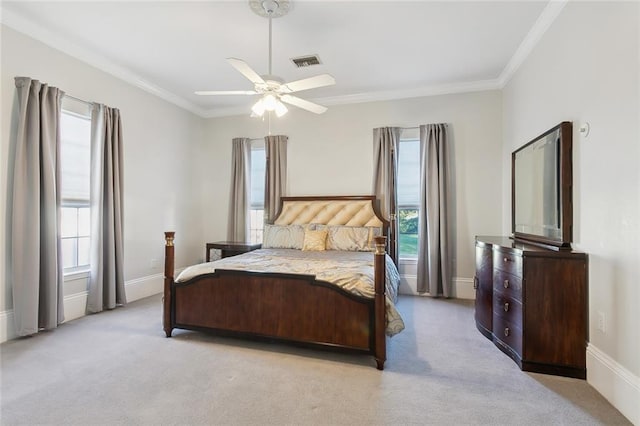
{"points": [[306, 61]]}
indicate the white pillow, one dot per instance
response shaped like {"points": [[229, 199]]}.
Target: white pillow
{"points": [[351, 238], [283, 236]]}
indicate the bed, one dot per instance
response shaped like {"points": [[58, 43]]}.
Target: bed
{"points": [[293, 291]]}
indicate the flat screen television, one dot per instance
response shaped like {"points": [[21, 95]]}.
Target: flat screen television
{"points": [[541, 194]]}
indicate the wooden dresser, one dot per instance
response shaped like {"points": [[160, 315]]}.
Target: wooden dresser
{"points": [[532, 303]]}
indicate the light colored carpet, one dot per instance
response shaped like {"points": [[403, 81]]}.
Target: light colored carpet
{"points": [[118, 368]]}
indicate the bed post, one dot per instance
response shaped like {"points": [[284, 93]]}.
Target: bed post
{"points": [[168, 280], [380, 351]]}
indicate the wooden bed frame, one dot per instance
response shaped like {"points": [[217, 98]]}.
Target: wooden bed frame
{"points": [[296, 309]]}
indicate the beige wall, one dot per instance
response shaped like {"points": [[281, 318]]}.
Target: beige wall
{"points": [[160, 142], [586, 69], [332, 154]]}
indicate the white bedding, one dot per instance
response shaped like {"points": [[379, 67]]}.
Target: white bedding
{"points": [[351, 270]]}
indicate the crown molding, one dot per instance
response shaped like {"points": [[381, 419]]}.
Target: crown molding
{"points": [[42, 34], [542, 24], [442, 89], [539, 28], [387, 95]]}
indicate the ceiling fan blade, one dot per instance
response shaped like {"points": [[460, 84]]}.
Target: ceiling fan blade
{"points": [[308, 83], [301, 103], [225, 92], [246, 70]]}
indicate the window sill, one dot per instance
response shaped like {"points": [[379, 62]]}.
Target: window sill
{"points": [[77, 274], [408, 261]]}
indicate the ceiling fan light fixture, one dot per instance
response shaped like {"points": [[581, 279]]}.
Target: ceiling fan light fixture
{"points": [[281, 109], [258, 108], [270, 102]]}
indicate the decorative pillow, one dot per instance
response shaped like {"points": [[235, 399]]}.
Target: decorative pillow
{"points": [[351, 238], [279, 236], [373, 232], [314, 240]]}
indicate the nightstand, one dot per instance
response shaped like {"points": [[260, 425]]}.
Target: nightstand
{"points": [[230, 248]]}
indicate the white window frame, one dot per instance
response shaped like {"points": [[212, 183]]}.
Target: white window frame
{"points": [[409, 134], [256, 208], [77, 205], [71, 108]]}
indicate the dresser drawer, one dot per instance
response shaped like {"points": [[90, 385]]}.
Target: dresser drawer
{"points": [[508, 333], [508, 308], [508, 284], [507, 261], [538, 291]]}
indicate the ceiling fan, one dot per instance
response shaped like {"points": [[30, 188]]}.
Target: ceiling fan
{"points": [[273, 90]]}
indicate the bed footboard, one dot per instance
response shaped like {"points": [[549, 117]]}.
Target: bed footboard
{"points": [[167, 316], [380, 347], [287, 307]]}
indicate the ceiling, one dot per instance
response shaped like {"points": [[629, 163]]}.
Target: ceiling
{"points": [[376, 50]]}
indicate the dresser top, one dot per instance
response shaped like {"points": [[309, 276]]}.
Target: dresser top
{"points": [[525, 248]]}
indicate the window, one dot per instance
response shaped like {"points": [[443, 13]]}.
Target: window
{"points": [[408, 193], [257, 176], [75, 135]]}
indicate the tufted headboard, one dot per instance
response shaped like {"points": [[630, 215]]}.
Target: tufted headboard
{"points": [[348, 210], [335, 210]]}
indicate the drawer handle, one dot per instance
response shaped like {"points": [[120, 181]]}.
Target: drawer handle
{"points": [[506, 306], [506, 283], [475, 283], [506, 259], [506, 332]]}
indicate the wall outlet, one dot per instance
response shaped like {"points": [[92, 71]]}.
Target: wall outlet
{"points": [[601, 324]]}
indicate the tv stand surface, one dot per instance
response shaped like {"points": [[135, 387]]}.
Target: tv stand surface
{"points": [[532, 303]]}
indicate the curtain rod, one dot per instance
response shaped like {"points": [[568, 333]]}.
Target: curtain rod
{"points": [[261, 138], [417, 127]]}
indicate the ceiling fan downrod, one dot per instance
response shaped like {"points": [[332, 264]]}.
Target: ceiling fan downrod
{"points": [[270, 9], [270, 44]]}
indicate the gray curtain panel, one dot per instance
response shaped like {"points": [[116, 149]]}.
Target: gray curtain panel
{"points": [[106, 284], [35, 262], [275, 175], [238, 226], [386, 141], [434, 247]]}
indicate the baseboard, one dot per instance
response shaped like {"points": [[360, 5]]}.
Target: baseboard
{"points": [[75, 304], [140, 288], [617, 384], [462, 287], [408, 285], [7, 326], [74, 307]]}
